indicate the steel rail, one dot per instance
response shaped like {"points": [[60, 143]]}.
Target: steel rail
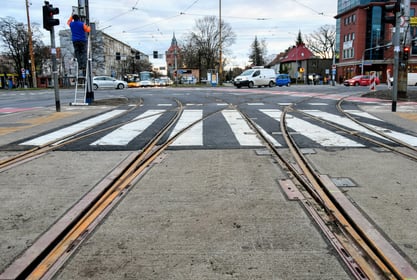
{"points": [[55, 144], [366, 138], [350, 257], [393, 139], [116, 184], [47, 267], [343, 221], [82, 227], [387, 259]]}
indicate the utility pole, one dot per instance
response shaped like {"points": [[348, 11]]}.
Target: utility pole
{"points": [[220, 44], [32, 57]]}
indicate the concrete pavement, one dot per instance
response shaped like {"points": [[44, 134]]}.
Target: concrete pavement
{"points": [[209, 214]]}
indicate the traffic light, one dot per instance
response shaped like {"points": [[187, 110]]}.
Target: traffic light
{"points": [[155, 54], [391, 10], [406, 52], [48, 16]]}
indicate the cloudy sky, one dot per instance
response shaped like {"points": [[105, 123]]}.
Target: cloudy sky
{"points": [[149, 25]]}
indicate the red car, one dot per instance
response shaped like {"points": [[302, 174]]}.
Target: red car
{"points": [[360, 80]]}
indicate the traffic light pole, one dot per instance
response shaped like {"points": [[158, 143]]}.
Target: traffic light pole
{"points": [[54, 70], [397, 49]]}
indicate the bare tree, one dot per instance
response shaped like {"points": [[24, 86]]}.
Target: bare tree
{"points": [[15, 40], [201, 48], [322, 41]]}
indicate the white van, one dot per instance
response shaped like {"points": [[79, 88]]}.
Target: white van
{"points": [[255, 77]]}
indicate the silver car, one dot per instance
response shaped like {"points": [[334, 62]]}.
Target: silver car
{"points": [[108, 82]]}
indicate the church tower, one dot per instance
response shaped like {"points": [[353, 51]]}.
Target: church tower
{"points": [[173, 56]]}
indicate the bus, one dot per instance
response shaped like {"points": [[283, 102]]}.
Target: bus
{"points": [[147, 79], [133, 80]]}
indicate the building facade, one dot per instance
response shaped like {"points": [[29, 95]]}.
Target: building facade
{"points": [[364, 39], [110, 57]]}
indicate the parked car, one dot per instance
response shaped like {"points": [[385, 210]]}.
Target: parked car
{"points": [[108, 82], [283, 80], [360, 80]]}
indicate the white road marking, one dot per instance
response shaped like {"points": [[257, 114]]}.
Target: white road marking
{"points": [[67, 131], [193, 136], [343, 121], [411, 140], [244, 134], [316, 133], [126, 133]]}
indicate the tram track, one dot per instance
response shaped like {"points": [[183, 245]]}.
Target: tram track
{"points": [[38, 151], [333, 221], [44, 258], [365, 252]]}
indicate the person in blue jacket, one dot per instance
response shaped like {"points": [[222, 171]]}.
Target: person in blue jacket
{"points": [[79, 40]]}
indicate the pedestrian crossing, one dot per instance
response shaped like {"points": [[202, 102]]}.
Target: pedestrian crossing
{"points": [[238, 130]]}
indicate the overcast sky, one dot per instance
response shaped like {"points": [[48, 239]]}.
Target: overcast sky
{"points": [[149, 25]]}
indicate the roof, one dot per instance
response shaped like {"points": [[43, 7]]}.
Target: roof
{"points": [[298, 53], [278, 59]]}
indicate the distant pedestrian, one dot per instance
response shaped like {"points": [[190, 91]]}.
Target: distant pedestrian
{"points": [[389, 79], [79, 40]]}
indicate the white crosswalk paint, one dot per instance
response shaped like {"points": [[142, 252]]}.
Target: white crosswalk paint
{"points": [[193, 136], [411, 140], [126, 133], [343, 121], [268, 136], [318, 104], [362, 114], [243, 133], [65, 132], [316, 133]]}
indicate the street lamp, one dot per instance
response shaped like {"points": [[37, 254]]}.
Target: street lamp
{"points": [[365, 50]]}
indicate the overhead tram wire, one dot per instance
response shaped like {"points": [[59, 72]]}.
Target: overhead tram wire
{"points": [[189, 7], [203, 15], [310, 8], [134, 8]]}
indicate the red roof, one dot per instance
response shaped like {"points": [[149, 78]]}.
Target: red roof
{"points": [[297, 53]]}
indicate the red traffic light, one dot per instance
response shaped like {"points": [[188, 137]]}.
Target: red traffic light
{"points": [[48, 16], [406, 52]]}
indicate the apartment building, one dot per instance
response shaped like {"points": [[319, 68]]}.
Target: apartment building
{"points": [[364, 38]]}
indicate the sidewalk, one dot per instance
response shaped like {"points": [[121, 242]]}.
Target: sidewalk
{"points": [[387, 94]]}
